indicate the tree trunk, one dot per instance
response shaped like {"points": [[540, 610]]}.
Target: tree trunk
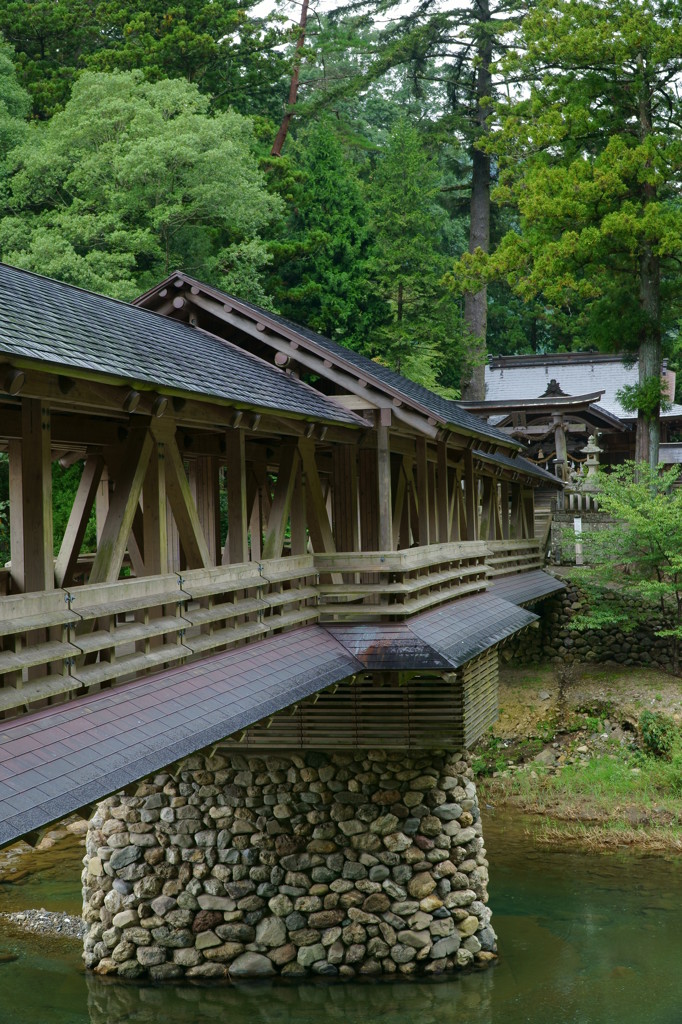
{"points": [[649, 422], [476, 303], [649, 425], [280, 139]]}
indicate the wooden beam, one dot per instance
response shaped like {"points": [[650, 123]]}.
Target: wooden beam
{"points": [[122, 507], [78, 519], [179, 494], [319, 526], [423, 503], [384, 488], [281, 502], [155, 517], [237, 540], [31, 500]]}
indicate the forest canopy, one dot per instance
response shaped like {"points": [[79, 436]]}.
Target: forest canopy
{"points": [[446, 184]]}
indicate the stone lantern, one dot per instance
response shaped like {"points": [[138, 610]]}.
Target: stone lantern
{"points": [[591, 451]]}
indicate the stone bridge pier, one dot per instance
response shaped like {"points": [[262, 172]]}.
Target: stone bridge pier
{"points": [[231, 865]]}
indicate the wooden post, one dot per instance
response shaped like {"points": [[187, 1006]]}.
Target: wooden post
{"points": [[423, 491], [78, 519], [442, 495], [155, 514], [345, 498], [237, 542], [297, 516], [281, 502], [102, 501], [122, 507], [400, 506], [31, 500], [487, 515], [433, 510], [470, 496], [384, 489], [504, 502], [367, 500], [516, 511], [528, 500], [204, 476], [560, 444], [319, 526], [179, 494]]}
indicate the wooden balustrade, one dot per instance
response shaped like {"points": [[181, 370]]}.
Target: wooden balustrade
{"points": [[60, 643], [399, 583], [510, 556]]}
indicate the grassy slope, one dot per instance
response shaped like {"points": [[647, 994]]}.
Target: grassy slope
{"points": [[603, 789]]}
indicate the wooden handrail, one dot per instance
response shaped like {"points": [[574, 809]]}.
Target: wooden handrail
{"points": [[59, 643]]}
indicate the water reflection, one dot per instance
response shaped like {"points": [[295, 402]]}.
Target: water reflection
{"points": [[584, 940], [434, 1002]]}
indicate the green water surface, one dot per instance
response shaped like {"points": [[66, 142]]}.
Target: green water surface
{"points": [[584, 939]]}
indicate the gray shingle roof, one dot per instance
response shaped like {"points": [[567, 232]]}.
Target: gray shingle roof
{"points": [[442, 409], [59, 759], [525, 587], [46, 320]]}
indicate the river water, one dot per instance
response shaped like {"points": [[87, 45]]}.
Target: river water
{"points": [[584, 939]]}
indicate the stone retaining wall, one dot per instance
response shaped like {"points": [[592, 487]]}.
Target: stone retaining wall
{"points": [[554, 640], [360, 863]]}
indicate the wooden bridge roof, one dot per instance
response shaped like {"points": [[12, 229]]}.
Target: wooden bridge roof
{"points": [[333, 355], [88, 335], [61, 759]]}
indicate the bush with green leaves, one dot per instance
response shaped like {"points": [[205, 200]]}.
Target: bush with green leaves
{"points": [[658, 733]]}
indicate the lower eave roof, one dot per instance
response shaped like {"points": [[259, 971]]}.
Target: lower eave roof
{"points": [[63, 758]]}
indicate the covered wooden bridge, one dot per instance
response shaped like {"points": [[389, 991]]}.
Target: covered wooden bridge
{"points": [[281, 524]]}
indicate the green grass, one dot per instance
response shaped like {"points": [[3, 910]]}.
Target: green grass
{"points": [[611, 790]]}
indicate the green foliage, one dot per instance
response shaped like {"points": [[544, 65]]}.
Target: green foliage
{"points": [[648, 397], [406, 262], [633, 571], [658, 733], [217, 44], [589, 157], [320, 250], [132, 179]]}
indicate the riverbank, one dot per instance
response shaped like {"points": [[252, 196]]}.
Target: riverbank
{"points": [[568, 748]]}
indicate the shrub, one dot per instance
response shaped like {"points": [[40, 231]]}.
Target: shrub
{"points": [[658, 733]]}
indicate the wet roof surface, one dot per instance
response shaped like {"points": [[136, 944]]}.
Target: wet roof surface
{"points": [[60, 759], [525, 587]]}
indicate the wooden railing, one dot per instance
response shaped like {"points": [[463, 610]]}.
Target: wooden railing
{"points": [[399, 583], [509, 556], [65, 642]]}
